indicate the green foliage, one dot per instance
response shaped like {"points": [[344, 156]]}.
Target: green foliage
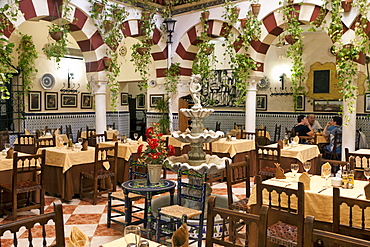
{"points": [[172, 77], [10, 9], [230, 14], [27, 55], [162, 106], [6, 67]]}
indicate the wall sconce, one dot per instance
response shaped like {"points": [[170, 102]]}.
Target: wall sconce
{"points": [[170, 28], [71, 87]]}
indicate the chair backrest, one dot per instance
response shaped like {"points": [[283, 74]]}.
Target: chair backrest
{"points": [[336, 164], [45, 142], [218, 126], [233, 218], [277, 133], [308, 139], [106, 154], [188, 191], [290, 132], [285, 204], [239, 126], [265, 159], [89, 136], [137, 170], [113, 126], [29, 223], [25, 144], [237, 173], [320, 238], [261, 136], [337, 142], [352, 207], [248, 135], [4, 138], [69, 130], [99, 138]]}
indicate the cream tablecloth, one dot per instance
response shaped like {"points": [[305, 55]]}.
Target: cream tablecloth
{"points": [[301, 152], [122, 242], [125, 150], [319, 205], [7, 164], [232, 147]]}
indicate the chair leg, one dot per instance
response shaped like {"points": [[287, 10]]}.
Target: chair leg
{"points": [[158, 227], [14, 206], [81, 186], [95, 192], [109, 214], [42, 201]]}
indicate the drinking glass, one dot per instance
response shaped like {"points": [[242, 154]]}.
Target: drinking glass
{"points": [[367, 173], [294, 168], [7, 146], [132, 236], [326, 172], [307, 166], [136, 135]]}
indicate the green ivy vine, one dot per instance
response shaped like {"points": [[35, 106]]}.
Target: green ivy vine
{"points": [[172, 77]]}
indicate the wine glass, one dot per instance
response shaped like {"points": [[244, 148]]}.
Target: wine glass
{"points": [[136, 135], [367, 173], [294, 168], [307, 166], [326, 171], [132, 236]]}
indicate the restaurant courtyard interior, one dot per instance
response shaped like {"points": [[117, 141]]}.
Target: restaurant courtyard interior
{"points": [[116, 71]]}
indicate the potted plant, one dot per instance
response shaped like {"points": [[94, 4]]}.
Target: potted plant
{"points": [[204, 16], [347, 5], [155, 153], [57, 49], [255, 7]]}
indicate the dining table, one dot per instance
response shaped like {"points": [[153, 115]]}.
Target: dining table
{"points": [[122, 242], [109, 134]]}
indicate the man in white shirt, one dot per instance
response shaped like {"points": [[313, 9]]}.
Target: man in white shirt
{"points": [[314, 124]]}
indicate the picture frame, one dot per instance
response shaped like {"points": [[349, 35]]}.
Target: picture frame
{"points": [[140, 101], [86, 101], [51, 101], [327, 105], [69, 100], [34, 101], [154, 98], [261, 102], [124, 98], [301, 102], [367, 102]]}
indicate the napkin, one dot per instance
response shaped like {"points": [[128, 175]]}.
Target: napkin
{"points": [[140, 140], [9, 154], [56, 132], [367, 191], [180, 237], [85, 145], [76, 235], [296, 139], [26, 132], [279, 171], [306, 180], [324, 166], [114, 138], [58, 144]]}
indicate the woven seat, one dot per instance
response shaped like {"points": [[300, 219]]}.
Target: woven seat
{"points": [[22, 187], [265, 159], [101, 174], [241, 205], [282, 233], [178, 211], [121, 195]]}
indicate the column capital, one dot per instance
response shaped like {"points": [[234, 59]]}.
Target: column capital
{"points": [[98, 87]]}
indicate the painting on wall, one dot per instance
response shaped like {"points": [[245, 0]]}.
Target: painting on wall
{"points": [[86, 101], [69, 100], [124, 98], [261, 104], [367, 102], [51, 101], [300, 102], [154, 98], [327, 105], [140, 101], [34, 101]]}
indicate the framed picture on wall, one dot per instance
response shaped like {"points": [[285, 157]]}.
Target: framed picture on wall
{"points": [[51, 101], [367, 102], [300, 102], [124, 98], [140, 101], [86, 101], [34, 101], [327, 105], [69, 100], [261, 104], [154, 98]]}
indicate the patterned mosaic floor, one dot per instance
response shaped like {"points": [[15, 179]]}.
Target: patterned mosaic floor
{"points": [[92, 220]]}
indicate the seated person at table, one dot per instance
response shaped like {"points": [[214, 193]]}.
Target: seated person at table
{"points": [[329, 131], [303, 128], [314, 124]]}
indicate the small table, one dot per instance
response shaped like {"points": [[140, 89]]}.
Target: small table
{"points": [[143, 187]]}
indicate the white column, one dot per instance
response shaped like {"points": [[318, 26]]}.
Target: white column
{"points": [[348, 129], [99, 89], [250, 106], [169, 61]]}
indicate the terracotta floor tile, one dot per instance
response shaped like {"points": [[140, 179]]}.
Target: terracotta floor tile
{"points": [[114, 230], [101, 201], [76, 219], [36, 232], [67, 209]]}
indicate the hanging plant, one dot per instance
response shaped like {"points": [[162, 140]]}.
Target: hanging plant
{"points": [[10, 9], [6, 67], [172, 77], [347, 5], [27, 55], [230, 14]]}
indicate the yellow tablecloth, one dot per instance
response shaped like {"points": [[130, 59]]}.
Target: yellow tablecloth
{"points": [[109, 134], [300, 152], [125, 150], [319, 205], [7, 164], [232, 147], [66, 158], [321, 139], [122, 242], [362, 151]]}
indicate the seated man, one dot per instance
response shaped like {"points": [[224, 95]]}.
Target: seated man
{"points": [[303, 128], [329, 131], [314, 124]]}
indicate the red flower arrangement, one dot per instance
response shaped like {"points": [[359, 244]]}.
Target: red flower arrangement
{"points": [[155, 152]]}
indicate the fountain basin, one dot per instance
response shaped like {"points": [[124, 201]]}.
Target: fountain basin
{"points": [[206, 137], [197, 113]]}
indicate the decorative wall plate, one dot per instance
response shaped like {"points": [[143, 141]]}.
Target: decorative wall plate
{"points": [[47, 81], [263, 84], [152, 83], [123, 51]]}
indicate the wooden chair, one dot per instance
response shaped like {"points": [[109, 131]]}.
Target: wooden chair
{"points": [[358, 138], [218, 126], [25, 144], [335, 164], [4, 138], [69, 132], [357, 163], [238, 173], [265, 159], [99, 174], [312, 140], [320, 238], [43, 220], [337, 142], [261, 136], [178, 214], [89, 134], [233, 218], [285, 222], [45, 142], [248, 135], [30, 169], [136, 170], [359, 231], [277, 133], [290, 132]]}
